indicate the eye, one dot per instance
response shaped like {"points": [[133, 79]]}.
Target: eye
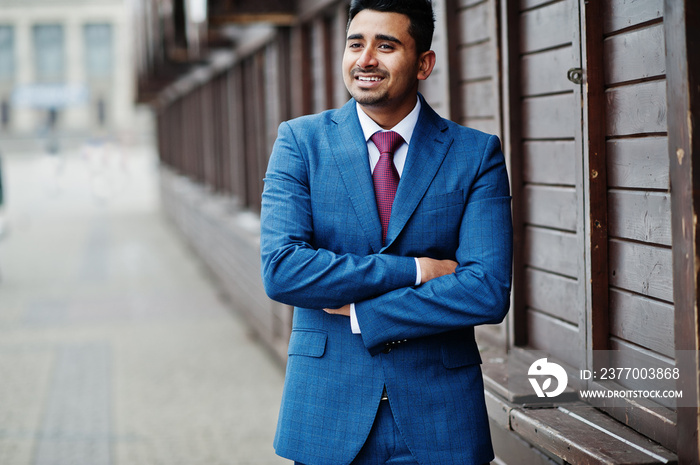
{"points": [[386, 47], [354, 45]]}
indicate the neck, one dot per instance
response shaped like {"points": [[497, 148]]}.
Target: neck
{"points": [[387, 116]]}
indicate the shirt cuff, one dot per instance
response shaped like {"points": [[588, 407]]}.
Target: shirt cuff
{"points": [[354, 325], [419, 276]]}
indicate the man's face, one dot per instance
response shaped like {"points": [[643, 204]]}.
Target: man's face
{"points": [[381, 66]]}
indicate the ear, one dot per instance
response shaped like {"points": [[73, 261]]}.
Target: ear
{"points": [[426, 63]]}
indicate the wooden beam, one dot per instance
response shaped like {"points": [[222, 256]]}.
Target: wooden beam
{"points": [[513, 145], [595, 179], [453, 58], [682, 35], [278, 19]]}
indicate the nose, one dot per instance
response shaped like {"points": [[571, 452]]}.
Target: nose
{"points": [[367, 59]]}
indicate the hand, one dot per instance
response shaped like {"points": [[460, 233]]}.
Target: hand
{"points": [[344, 310], [431, 268]]}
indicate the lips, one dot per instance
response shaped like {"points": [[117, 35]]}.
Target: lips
{"points": [[366, 77]]}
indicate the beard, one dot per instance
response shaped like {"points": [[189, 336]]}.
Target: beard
{"points": [[367, 97]]}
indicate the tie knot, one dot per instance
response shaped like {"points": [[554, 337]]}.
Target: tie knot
{"points": [[387, 141]]}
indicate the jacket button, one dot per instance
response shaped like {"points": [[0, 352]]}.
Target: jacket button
{"points": [[387, 349]]}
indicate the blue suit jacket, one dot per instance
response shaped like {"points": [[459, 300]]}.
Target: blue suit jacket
{"points": [[321, 248]]}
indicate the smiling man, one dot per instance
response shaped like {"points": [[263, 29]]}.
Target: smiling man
{"points": [[388, 229]]}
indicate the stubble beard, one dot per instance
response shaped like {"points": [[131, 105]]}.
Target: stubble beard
{"points": [[368, 97]]}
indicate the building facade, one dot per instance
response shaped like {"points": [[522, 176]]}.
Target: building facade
{"points": [[65, 66]]}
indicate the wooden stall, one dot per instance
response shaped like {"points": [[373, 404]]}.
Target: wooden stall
{"points": [[596, 103]]}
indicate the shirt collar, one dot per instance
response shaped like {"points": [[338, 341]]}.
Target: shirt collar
{"points": [[404, 128]]}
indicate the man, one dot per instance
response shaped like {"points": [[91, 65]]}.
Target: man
{"points": [[388, 286]]}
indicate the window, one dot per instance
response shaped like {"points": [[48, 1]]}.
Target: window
{"points": [[7, 53], [99, 56], [49, 53]]}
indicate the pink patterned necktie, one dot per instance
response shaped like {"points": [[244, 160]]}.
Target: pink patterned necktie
{"points": [[385, 176]]}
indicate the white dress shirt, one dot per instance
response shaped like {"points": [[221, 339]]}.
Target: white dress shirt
{"points": [[405, 130]]}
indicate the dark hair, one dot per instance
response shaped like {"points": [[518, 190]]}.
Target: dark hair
{"points": [[420, 12]]}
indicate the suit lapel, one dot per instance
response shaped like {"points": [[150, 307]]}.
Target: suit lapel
{"points": [[429, 145], [353, 163]]}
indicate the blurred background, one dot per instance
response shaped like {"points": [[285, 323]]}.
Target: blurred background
{"points": [[117, 345], [67, 73], [134, 138]]}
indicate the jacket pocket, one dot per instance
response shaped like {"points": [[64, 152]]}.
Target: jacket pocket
{"points": [[307, 342], [440, 201], [460, 350]]}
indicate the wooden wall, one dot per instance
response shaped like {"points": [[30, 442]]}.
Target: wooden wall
{"points": [[576, 90], [548, 188], [638, 197], [474, 67]]}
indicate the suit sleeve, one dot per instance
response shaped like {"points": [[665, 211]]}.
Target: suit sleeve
{"points": [[293, 271], [479, 290]]}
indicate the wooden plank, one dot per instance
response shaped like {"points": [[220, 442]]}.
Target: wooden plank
{"points": [[545, 72], [207, 103], [552, 294], [341, 94], [512, 449], [683, 68], [657, 423], [642, 321], [479, 99], [307, 9], [507, 377], [567, 432], [550, 250], [553, 207], [531, 4], [274, 98], [638, 54], [475, 23], [263, 150], [555, 337], [454, 57], [330, 66], [317, 65], [547, 27], [513, 145], [549, 162], [640, 163], [644, 269], [594, 227], [592, 415], [625, 355], [621, 14], [237, 134], [469, 3], [550, 117], [642, 216], [478, 61], [636, 109], [488, 125]]}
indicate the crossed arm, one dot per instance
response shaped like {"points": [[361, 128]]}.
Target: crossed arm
{"points": [[473, 289], [430, 269]]}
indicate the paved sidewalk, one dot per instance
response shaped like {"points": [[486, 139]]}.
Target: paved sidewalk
{"points": [[115, 346]]}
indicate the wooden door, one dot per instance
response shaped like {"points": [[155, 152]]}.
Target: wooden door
{"points": [[546, 141], [636, 320], [590, 172]]}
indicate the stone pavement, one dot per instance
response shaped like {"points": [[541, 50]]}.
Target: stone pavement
{"points": [[115, 346]]}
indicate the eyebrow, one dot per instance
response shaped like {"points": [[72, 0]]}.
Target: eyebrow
{"points": [[378, 37]]}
